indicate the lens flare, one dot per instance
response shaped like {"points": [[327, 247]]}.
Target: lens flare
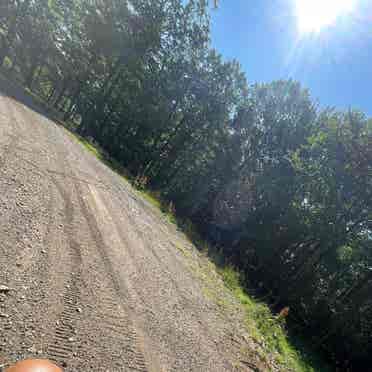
{"points": [[314, 15]]}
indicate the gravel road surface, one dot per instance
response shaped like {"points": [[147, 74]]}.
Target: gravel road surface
{"points": [[93, 276]]}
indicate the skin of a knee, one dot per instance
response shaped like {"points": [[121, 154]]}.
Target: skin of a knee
{"points": [[34, 365]]}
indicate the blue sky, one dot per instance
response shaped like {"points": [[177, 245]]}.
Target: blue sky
{"points": [[335, 64]]}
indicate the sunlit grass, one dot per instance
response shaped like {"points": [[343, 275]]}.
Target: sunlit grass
{"points": [[94, 150], [152, 198], [290, 352], [269, 330]]}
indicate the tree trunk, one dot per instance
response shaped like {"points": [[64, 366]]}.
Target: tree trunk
{"points": [[60, 96], [51, 95], [31, 74], [355, 288], [90, 112]]}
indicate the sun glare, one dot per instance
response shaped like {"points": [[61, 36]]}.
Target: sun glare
{"points": [[314, 15]]}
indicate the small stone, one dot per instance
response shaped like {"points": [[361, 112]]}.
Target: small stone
{"points": [[32, 349], [71, 339], [43, 251], [4, 289], [79, 310], [3, 315]]}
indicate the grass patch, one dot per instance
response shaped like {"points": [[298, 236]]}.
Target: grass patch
{"points": [[151, 197], [92, 149], [7, 63], [290, 352]]}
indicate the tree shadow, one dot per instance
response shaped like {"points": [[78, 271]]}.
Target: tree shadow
{"points": [[13, 89]]}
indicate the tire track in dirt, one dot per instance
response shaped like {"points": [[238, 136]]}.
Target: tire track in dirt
{"points": [[114, 305], [118, 328], [100, 267], [61, 348], [145, 237], [150, 235], [55, 270], [117, 340], [31, 260], [140, 235]]}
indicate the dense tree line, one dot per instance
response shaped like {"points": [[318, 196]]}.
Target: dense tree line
{"points": [[283, 187]]}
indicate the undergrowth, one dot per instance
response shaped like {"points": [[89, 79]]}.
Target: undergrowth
{"points": [[269, 330], [265, 328], [291, 351], [152, 197]]}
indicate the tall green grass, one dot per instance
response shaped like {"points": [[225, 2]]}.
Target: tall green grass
{"points": [[269, 330]]}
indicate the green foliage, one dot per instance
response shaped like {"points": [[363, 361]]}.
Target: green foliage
{"points": [[269, 330], [284, 188]]}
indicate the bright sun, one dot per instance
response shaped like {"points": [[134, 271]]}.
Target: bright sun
{"points": [[314, 15]]}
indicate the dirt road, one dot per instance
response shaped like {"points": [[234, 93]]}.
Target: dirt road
{"points": [[94, 276]]}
